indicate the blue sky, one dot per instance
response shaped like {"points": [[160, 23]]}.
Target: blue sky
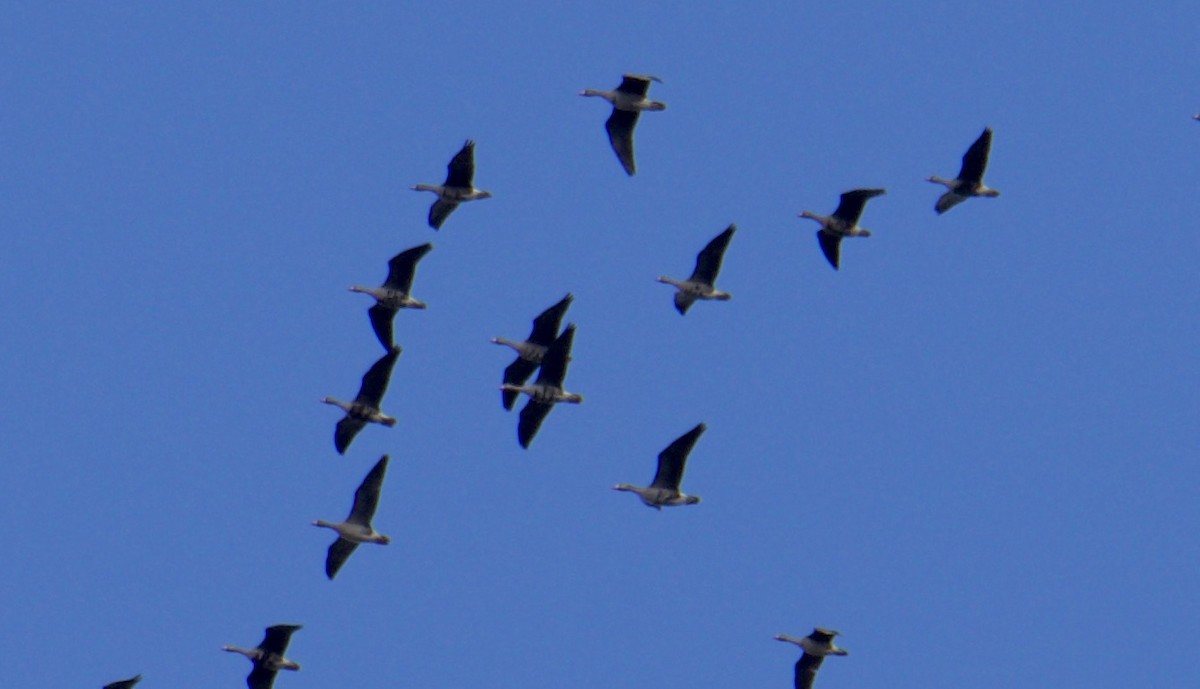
{"points": [[972, 450]]}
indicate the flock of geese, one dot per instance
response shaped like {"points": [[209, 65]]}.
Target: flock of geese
{"points": [[547, 351]]}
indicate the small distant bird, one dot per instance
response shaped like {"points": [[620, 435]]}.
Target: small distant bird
{"points": [[816, 646], [531, 350], [395, 293], [671, 462], [458, 187], [1196, 116], [124, 684], [547, 390], [365, 408], [628, 101], [843, 222], [970, 177], [268, 656], [700, 284], [357, 527]]}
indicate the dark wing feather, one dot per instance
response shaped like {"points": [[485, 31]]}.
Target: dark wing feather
{"points": [[683, 302], [708, 261], [339, 552], [461, 169], [830, 246], [403, 267], [974, 161], [672, 460], [260, 677], [806, 670], [620, 134], [545, 326], [531, 420], [366, 498], [516, 374], [277, 638], [375, 380], [850, 207], [439, 211], [636, 84], [345, 431], [124, 684], [554, 364], [381, 322]]}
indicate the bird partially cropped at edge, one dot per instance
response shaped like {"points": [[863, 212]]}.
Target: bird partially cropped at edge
{"points": [[395, 293], [124, 684], [547, 390], [268, 657], [671, 463], [816, 646], [970, 176], [531, 350], [357, 527], [365, 407], [458, 187], [701, 284], [628, 101], [843, 222]]}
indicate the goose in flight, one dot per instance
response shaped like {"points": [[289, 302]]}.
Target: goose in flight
{"points": [[531, 350], [816, 646], [671, 462], [547, 390], [628, 101], [365, 408], [700, 284], [457, 188], [395, 293], [970, 177], [268, 657], [843, 222], [357, 527], [124, 684]]}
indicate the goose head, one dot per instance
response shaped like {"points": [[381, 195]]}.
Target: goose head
{"points": [[572, 398], [949, 183], [656, 105], [692, 500]]}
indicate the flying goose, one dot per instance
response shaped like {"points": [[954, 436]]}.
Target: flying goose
{"points": [[357, 527], [816, 646], [970, 177], [843, 222], [531, 350], [124, 684], [700, 284], [547, 390], [458, 186], [268, 656], [365, 407], [395, 293], [671, 463], [628, 101]]}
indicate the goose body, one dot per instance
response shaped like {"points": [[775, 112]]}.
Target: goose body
{"points": [[701, 284], [843, 222], [970, 177], [628, 101], [365, 407], [531, 350], [547, 390], [816, 646], [458, 187], [395, 293], [664, 490], [268, 656], [124, 684], [357, 527]]}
